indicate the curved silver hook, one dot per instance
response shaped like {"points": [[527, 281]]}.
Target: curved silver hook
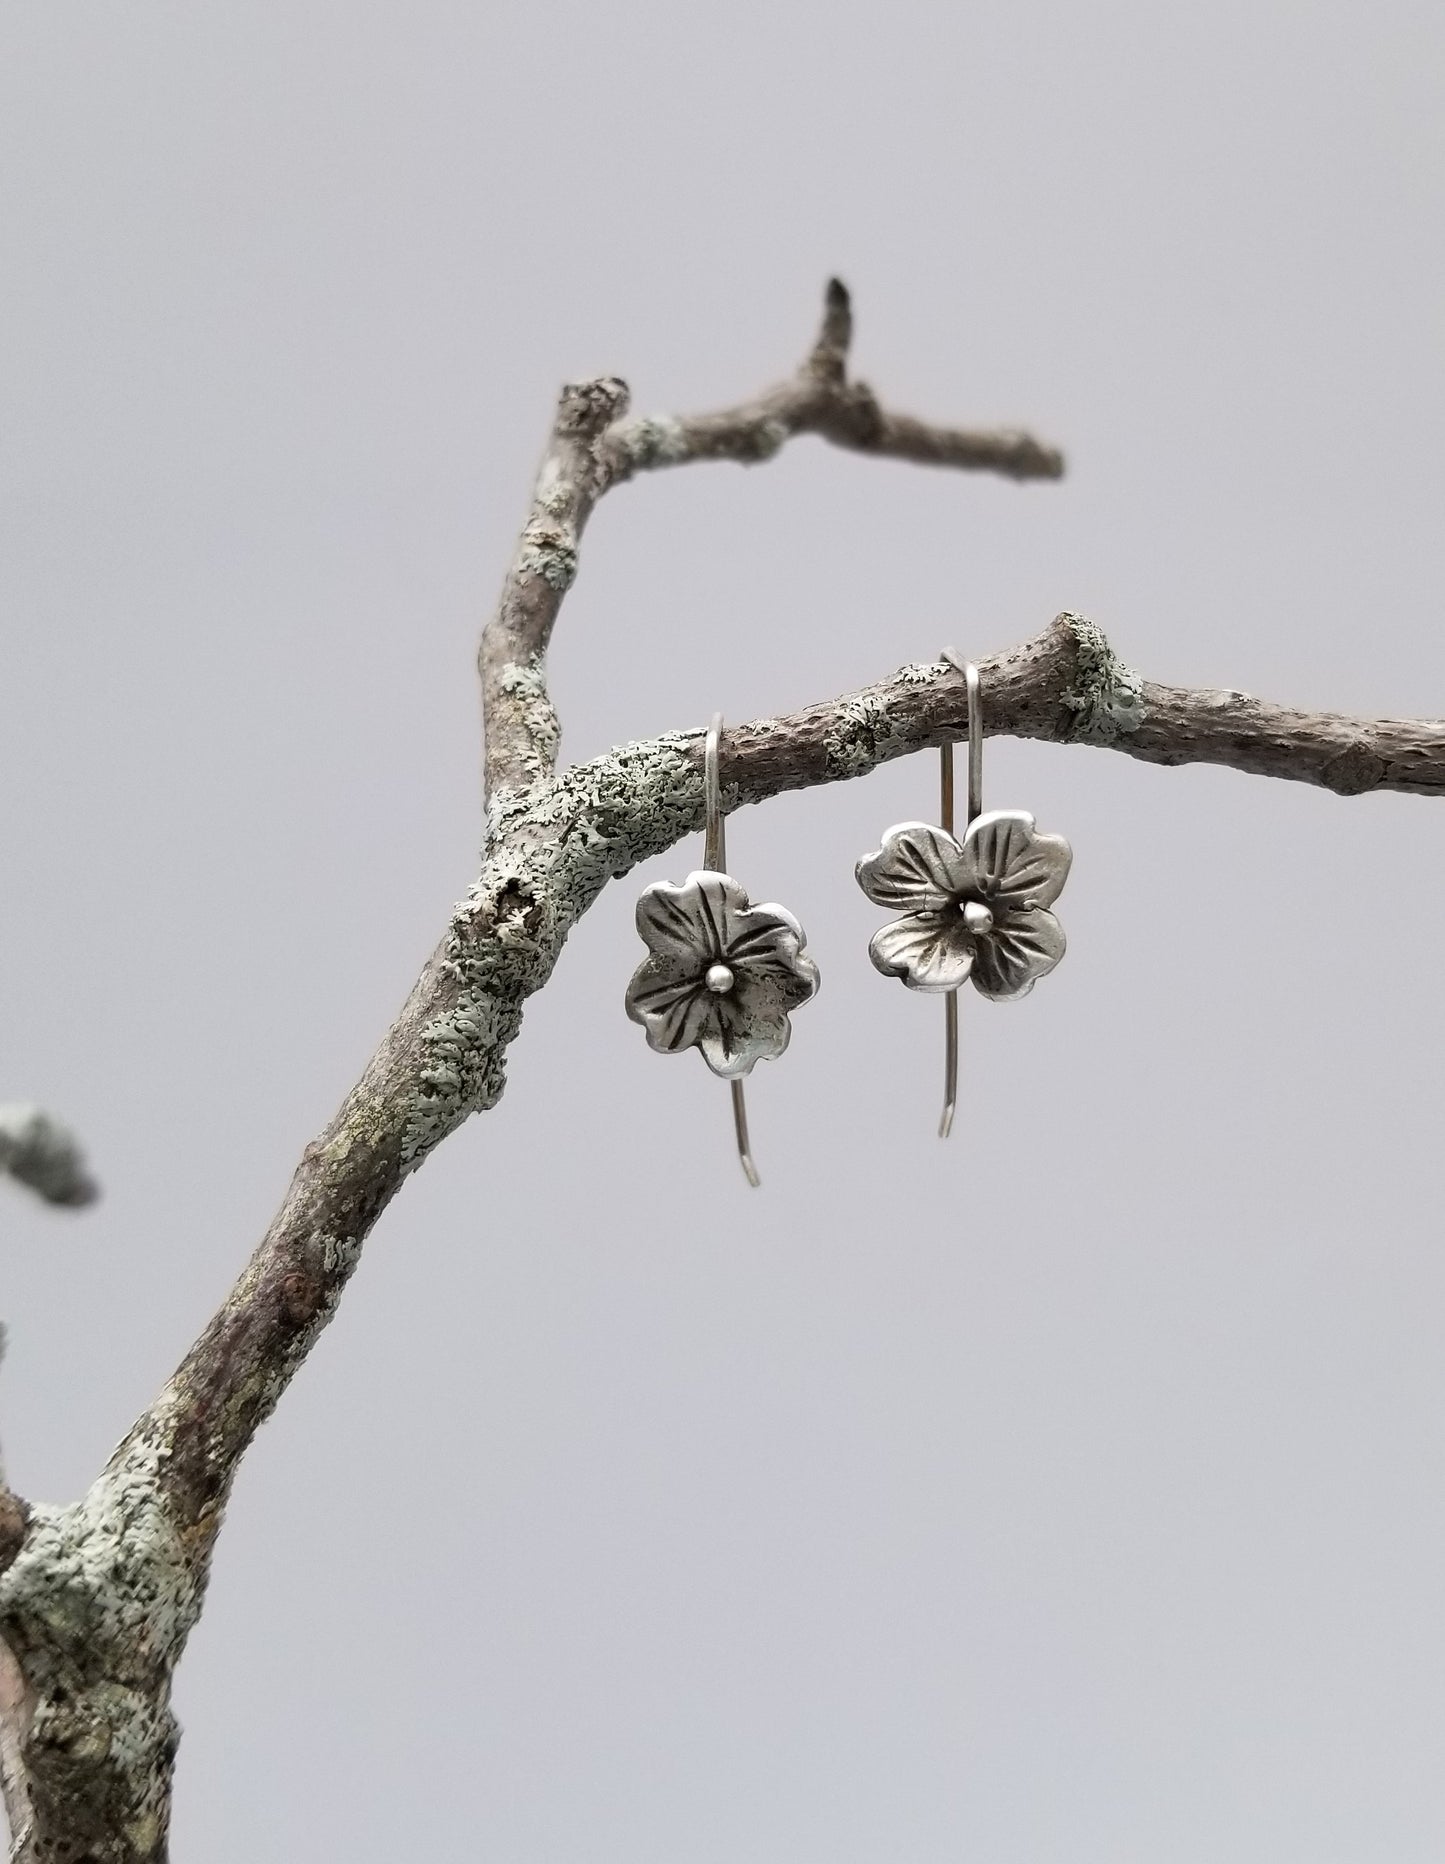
{"points": [[714, 847], [975, 740], [973, 807], [714, 859]]}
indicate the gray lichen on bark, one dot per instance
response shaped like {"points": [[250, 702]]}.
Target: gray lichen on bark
{"points": [[95, 1609], [524, 683], [859, 740], [551, 848], [1106, 699], [651, 440]]}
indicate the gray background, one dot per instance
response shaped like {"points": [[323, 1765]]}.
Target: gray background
{"points": [[1074, 1492]]}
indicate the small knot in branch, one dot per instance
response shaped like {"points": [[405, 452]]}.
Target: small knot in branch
{"points": [[1105, 702], [587, 408]]}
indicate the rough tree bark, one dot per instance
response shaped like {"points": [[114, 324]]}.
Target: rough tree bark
{"points": [[97, 1599]]}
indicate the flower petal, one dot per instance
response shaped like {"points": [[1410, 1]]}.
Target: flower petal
{"points": [[1007, 862], [791, 987], [693, 921], [929, 951], [772, 983], [918, 869], [742, 1033], [767, 941], [671, 1004], [1022, 948], [706, 921]]}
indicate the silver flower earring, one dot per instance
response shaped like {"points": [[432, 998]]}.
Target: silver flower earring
{"points": [[976, 908], [721, 974]]}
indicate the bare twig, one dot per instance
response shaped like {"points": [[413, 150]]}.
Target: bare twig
{"points": [[592, 449], [819, 399], [521, 728]]}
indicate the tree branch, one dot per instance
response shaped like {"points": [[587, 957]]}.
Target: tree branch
{"points": [[819, 399], [555, 840], [14, 1786], [592, 449], [1067, 686], [551, 849], [96, 1605], [521, 728], [37, 1151]]}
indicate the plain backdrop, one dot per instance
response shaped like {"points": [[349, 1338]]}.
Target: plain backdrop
{"points": [[1073, 1493]]}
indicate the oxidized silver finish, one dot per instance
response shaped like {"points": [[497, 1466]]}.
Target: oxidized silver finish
{"points": [[976, 908], [721, 974]]}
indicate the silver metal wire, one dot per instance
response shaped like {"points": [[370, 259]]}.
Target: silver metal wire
{"points": [[950, 1002], [714, 859], [972, 809], [714, 847], [740, 1128]]}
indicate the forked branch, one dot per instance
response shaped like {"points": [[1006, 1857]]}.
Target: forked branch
{"points": [[592, 449], [554, 840], [86, 1738]]}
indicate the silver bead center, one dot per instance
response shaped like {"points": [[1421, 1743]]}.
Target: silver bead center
{"points": [[976, 916], [719, 978]]}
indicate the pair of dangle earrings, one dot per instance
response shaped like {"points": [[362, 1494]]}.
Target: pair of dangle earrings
{"points": [[724, 976]]}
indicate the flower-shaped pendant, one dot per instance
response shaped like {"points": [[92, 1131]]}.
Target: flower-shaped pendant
{"points": [[973, 908], [721, 974]]}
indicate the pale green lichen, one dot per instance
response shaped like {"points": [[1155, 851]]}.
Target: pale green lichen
{"points": [[337, 1256], [108, 1574], [524, 683], [1107, 696], [654, 440], [463, 1067], [548, 551], [861, 736], [97, 1605], [567, 838], [551, 848]]}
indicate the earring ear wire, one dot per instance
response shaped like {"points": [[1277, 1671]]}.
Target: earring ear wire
{"points": [[975, 907], [721, 975], [715, 857], [973, 809]]}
